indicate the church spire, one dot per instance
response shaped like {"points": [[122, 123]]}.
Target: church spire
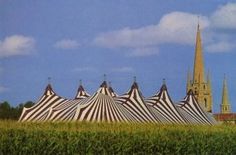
{"points": [[200, 87], [189, 78], [209, 80], [225, 105], [198, 75]]}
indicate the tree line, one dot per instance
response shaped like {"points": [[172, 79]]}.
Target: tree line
{"points": [[9, 112]]}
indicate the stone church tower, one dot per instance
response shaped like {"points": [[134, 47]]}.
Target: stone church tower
{"points": [[225, 106], [198, 83]]}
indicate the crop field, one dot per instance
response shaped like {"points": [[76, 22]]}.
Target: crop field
{"points": [[104, 138]]}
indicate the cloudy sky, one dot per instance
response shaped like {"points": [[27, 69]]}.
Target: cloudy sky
{"points": [[83, 39]]}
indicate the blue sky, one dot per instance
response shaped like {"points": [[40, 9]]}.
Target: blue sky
{"points": [[83, 39]]}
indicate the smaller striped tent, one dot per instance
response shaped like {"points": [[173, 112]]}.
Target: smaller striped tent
{"points": [[163, 107], [81, 93], [113, 94], [134, 103], [66, 111], [101, 107], [194, 112], [41, 110]]}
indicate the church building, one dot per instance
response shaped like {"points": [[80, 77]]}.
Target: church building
{"points": [[225, 106], [198, 83], [225, 115], [201, 87]]}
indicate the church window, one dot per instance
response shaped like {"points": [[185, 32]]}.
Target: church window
{"points": [[205, 102]]}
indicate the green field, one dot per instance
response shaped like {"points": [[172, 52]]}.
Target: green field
{"points": [[104, 138]]}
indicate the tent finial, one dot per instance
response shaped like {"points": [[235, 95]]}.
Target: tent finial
{"points": [[49, 80], [80, 82], [134, 78], [105, 77], [164, 81]]}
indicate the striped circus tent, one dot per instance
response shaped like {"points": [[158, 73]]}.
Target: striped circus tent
{"points": [[106, 106], [101, 107], [81, 93], [66, 111], [41, 110], [164, 109], [194, 112], [113, 94], [134, 103]]}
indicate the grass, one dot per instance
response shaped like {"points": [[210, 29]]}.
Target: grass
{"points": [[104, 138]]}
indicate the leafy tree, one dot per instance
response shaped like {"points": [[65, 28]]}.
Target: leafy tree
{"points": [[8, 112], [28, 104], [19, 108], [5, 110]]}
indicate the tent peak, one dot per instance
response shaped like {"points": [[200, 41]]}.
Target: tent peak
{"points": [[135, 85], [81, 88], [49, 90], [190, 92], [104, 84], [163, 87]]}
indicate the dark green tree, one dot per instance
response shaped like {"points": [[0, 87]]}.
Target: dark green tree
{"points": [[8, 112], [5, 110], [19, 108]]}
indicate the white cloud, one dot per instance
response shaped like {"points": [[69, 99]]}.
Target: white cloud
{"points": [[175, 27], [225, 16], [180, 27], [221, 46], [16, 45], [123, 69], [67, 44], [3, 89]]}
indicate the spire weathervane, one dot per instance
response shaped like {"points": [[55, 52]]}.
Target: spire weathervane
{"points": [[198, 21]]}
